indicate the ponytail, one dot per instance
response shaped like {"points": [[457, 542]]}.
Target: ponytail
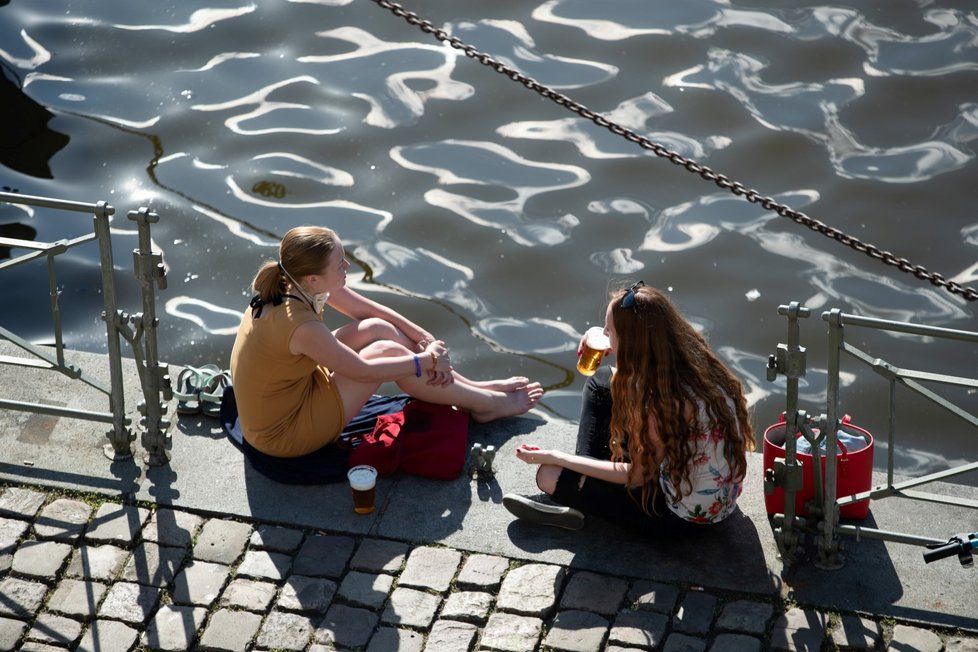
{"points": [[269, 283], [304, 250]]}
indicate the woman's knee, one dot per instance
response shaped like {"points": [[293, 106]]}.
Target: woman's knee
{"points": [[383, 349], [547, 475], [379, 329]]}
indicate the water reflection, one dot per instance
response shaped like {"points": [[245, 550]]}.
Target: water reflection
{"points": [[812, 109], [488, 164], [913, 462], [197, 21], [628, 18], [385, 72], [509, 42], [27, 144], [616, 261], [533, 335], [751, 369], [280, 175], [696, 223], [240, 120], [256, 184], [212, 319], [594, 142], [237, 228], [866, 292], [17, 231], [422, 273], [951, 48], [32, 54], [969, 235], [328, 3], [270, 116]]}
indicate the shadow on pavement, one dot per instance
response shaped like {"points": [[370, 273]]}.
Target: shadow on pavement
{"points": [[869, 582], [434, 510], [731, 558]]}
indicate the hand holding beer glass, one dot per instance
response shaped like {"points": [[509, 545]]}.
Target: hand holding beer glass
{"points": [[594, 347]]}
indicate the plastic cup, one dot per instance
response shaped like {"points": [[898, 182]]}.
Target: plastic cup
{"points": [[363, 484], [596, 345]]}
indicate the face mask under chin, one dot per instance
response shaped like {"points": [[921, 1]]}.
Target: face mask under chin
{"points": [[318, 301]]}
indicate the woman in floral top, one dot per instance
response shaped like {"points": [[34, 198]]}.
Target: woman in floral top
{"points": [[663, 438]]}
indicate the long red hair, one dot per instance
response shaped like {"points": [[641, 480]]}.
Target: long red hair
{"points": [[665, 372]]}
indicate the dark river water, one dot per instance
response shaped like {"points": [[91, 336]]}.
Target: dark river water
{"points": [[495, 218]]}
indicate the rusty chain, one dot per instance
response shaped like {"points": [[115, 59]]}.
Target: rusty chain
{"points": [[703, 171]]}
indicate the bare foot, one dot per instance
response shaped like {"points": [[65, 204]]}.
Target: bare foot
{"points": [[503, 384], [509, 404]]}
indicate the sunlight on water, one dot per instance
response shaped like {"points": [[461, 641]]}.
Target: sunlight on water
{"points": [[389, 94], [629, 18], [497, 219], [634, 114], [485, 163], [198, 20]]}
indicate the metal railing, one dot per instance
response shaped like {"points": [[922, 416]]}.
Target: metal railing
{"points": [[138, 329], [787, 474]]}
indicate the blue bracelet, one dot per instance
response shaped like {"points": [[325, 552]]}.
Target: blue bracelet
{"points": [[417, 366]]}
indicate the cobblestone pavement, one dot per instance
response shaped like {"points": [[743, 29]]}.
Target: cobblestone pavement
{"points": [[88, 573]]}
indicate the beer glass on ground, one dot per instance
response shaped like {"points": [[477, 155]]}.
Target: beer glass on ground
{"points": [[363, 483], [596, 345]]}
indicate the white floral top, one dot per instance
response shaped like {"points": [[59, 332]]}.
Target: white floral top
{"points": [[714, 494]]}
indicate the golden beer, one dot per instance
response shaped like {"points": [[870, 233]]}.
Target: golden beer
{"points": [[363, 484], [596, 345], [363, 501]]}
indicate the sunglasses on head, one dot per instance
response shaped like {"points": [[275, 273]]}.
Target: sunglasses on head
{"points": [[628, 300]]}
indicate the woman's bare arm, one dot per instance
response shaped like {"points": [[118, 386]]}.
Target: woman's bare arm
{"points": [[316, 341], [615, 472], [356, 306]]}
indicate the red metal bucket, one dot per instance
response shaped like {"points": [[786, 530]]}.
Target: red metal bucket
{"points": [[854, 475]]}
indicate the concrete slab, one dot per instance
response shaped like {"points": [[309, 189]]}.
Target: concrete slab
{"points": [[209, 475]]}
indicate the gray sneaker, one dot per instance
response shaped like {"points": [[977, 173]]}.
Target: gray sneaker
{"points": [[533, 511]]}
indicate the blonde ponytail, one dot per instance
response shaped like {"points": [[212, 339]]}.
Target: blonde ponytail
{"points": [[269, 283], [304, 251]]}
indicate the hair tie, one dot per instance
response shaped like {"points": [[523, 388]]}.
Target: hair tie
{"points": [[256, 304]]}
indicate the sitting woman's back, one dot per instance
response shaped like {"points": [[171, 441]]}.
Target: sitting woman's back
{"points": [[713, 488], [288, 404], [670, 384], [663, 437]]}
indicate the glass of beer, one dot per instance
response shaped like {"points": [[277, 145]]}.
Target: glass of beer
{"points": [[596, 345], [363, 483]]}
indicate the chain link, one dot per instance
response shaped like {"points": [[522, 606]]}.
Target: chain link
{"points": [[721, 180]]}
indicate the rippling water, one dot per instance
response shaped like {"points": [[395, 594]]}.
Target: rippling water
{"points": [[494, 218]]}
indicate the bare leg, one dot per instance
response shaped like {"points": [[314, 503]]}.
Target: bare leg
{"points": [[353, 394], [361, 333], [484, 405], [500, 385], [547, 475]]}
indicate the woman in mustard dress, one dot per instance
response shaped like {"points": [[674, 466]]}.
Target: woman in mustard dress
{"points": [[297, 383]]}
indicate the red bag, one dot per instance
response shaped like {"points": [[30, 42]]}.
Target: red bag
{"points": [[425, 439]]}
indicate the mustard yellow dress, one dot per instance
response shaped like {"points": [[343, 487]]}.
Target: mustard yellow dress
{"points": [[288, 405]]}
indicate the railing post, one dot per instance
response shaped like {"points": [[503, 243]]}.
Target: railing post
{"points": [[55, 311], [828, 548], [148, 268], [790, 361], [890, 433], [120, 437]]}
